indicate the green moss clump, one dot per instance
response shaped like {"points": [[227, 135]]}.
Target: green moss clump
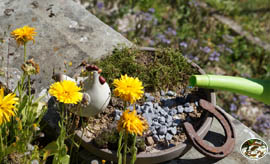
{"points": [[107, 139], [160, 69]]}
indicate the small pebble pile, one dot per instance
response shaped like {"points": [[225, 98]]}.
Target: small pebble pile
{"points": [[162, 119]]}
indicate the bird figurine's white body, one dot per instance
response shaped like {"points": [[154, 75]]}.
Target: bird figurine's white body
{"points": [[96, 96]]}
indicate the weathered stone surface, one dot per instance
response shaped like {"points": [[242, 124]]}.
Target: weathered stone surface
{"points": [[65, 32], [150, 141]]}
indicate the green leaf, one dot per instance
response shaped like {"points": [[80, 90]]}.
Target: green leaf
{"points": [[52, 148], [65, 159]]}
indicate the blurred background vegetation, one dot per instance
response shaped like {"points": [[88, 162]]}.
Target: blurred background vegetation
{"points": [[190, 28]]}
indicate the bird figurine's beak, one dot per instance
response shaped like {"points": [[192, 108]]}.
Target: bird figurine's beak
{"points": [[99, 71]]}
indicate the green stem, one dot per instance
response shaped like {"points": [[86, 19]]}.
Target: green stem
{"points": [[24, 46], [29, 86], [125, 147], [133, 149]]}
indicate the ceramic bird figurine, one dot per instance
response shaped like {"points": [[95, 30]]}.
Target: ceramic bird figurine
{"points": [[97, 93]]}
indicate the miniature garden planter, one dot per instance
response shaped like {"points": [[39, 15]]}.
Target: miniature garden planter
{"points": [[175, 151]]}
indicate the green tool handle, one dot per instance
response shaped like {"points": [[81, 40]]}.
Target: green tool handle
{"points": [[258, 89]]}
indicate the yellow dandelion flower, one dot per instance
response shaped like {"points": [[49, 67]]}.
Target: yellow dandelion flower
{"points": [[128, 88], [70, 64], [66, 92], [7, 107], [132, 123], [103, 161], [24, 34]]}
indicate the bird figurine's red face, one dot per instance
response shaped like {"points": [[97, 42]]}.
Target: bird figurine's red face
{"points": [[95, 68]]}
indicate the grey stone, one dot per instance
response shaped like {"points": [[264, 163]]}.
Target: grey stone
{"points": [[147, 95], [150, 98], [168, 103], [161, 120], [173, 112], [148, 117], [118, 112], [166, 109], [163, 112], [186, 104], [161, 136], [180, 109], [171, 93], [162, 99], [155, 105], [149, 104], [117, 117], [172, 130], [162, 93], [155, 137], [70, 34], [169, 119], [162, 130], [168, 136], [189, 109]]}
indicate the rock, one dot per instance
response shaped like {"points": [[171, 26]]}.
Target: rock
{"points": [[171, 93], [162, 93], [64, 25], [173, 112], [167, 109], [147, 95], [196, 103], [162, 130], [173, 130], [180, 109], [168, 136], [156, 105], [161, 120], [189, 109], [118, 112], [117, 117], [150, 141], [176, 122], [168, 103], [150, 104], [180, 100], [161, 136], [155, 137], [169, 119], [150, 98], [186, 104], [148, 117], [163, 112]]}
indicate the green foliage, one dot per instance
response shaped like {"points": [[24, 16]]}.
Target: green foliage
{"points": [[164, 68]]}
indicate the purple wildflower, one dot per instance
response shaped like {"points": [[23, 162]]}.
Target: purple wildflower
{"points": [[165, 40], [151, 10], [229, 50], [262, 124], [151, 42], [233, 107], [243, 100], [214, 56], [234, 99], [147, 17], [155, 21], [100, 5], [206, 49], [183, 44], [160, 36], [170, 31]]}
